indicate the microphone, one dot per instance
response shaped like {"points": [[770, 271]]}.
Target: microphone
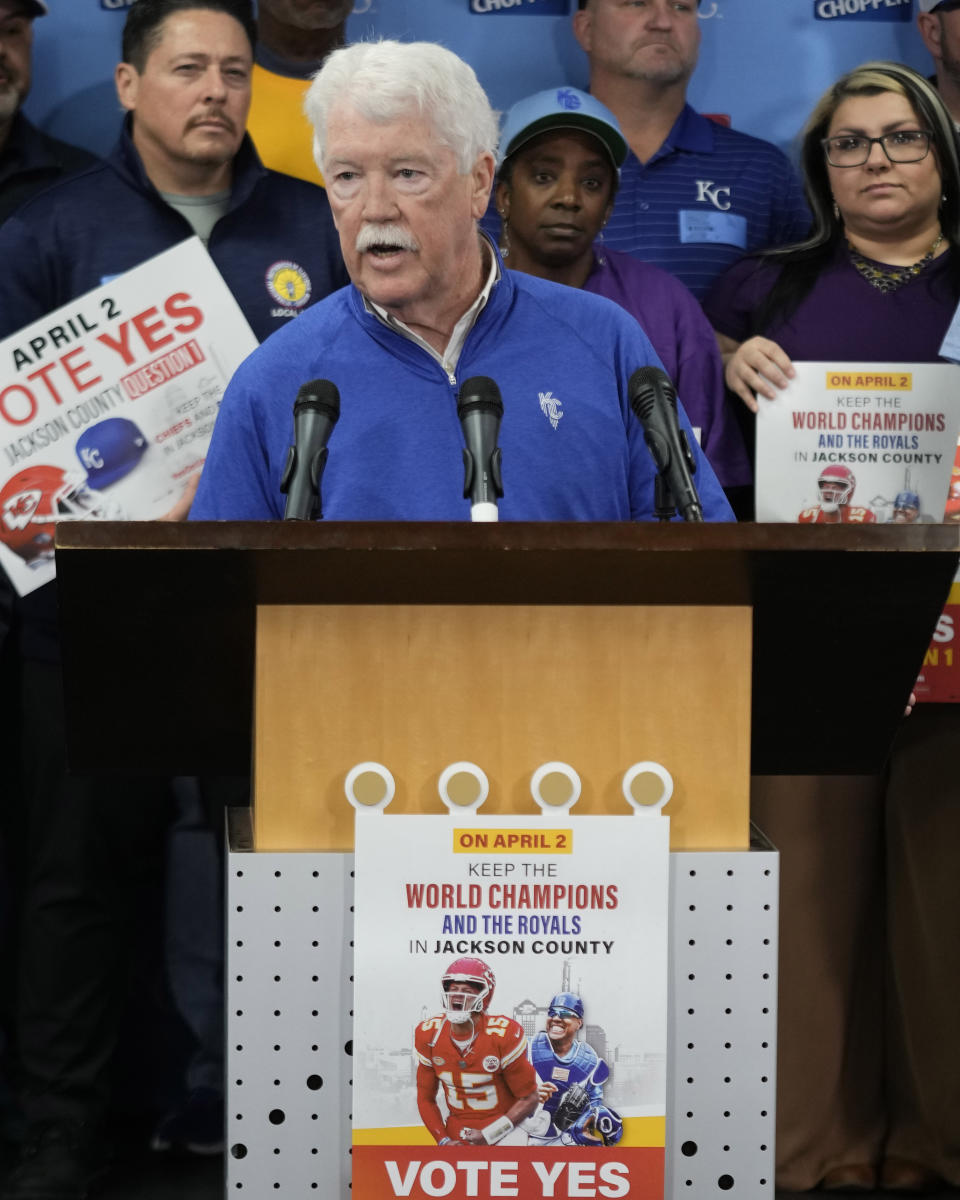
{"points": [[315, 412], [480, 409], [654, 400]]}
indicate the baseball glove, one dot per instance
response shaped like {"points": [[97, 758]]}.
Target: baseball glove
{"points": [[572, 1104]]}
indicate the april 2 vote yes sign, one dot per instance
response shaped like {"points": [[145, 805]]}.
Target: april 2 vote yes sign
{"points": [[503, 961], [107, 405]]}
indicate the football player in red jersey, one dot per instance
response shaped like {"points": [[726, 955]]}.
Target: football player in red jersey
{"points": [[479, 1061], [835, 486]]}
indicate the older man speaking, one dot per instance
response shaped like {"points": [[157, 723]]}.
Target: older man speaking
{"points": [[404, 135]]}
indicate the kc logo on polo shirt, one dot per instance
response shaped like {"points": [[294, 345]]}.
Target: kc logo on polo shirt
{"points": [[719, 197]]}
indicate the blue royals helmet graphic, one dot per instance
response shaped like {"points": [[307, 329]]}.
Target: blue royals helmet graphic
{"points": [[565, 1003], [109, 450]]}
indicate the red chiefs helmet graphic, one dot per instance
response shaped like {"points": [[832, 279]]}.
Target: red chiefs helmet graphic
{"points": [[836, 486], [32, 502], [473, 971]]}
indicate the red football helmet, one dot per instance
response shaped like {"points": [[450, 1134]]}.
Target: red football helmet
{"points": [[835, 485], [468, 970], [32, 502]]}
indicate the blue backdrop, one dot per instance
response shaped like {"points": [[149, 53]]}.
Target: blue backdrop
{"points": [[764, 62]]}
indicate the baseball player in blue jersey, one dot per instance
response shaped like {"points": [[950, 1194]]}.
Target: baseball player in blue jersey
{"points": [[570, 1077]]}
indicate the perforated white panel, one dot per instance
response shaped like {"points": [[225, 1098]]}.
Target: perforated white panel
{"points": [[721, 1075], [289, 1023], [290, 1011]]}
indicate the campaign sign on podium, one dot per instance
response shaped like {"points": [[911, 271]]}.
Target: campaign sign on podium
{"points": [[502, 962], [107, 405]]}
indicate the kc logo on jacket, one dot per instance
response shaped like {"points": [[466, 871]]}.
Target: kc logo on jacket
{"points": [[550, 406]]}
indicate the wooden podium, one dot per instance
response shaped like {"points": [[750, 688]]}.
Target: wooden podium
{"points": [[714, 649], [508, 645]]}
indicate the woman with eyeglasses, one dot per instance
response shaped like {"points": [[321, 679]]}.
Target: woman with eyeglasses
{"points": [[879, 275], [881, 172], [869, 1054]]}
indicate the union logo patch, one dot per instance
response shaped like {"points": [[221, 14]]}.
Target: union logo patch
{"points": [[289, 284]]}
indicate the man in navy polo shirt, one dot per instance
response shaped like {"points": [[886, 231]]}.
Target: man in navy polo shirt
{"points": [[694, 195]]}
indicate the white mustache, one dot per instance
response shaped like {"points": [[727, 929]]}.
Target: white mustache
{"points": [[384, 235]]}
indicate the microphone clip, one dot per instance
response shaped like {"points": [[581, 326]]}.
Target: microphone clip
{"points": [[494, 477]]}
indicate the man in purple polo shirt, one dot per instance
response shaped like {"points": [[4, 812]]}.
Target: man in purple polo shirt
{"points": [[559, 164], [694, 195]]}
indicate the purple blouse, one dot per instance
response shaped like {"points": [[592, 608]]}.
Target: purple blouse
{"points": [[843, 318]]}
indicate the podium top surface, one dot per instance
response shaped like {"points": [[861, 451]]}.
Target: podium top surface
{"points": [[378, 562], [179, 600]]}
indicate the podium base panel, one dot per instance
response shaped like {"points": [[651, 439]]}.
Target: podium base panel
{"points": [[290, 1064], [416, 687]]}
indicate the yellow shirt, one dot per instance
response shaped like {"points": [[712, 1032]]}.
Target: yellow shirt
{"points": [[281, 132]]}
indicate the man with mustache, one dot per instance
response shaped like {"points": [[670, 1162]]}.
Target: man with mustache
{"points": [[694, 195], [29, 160], [182, 166], [405, 136]]}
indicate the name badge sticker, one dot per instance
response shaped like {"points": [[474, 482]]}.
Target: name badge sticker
{"points": [[708, 225]]}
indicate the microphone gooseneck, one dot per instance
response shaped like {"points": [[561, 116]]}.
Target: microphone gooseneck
{"points": [[653, 399]]}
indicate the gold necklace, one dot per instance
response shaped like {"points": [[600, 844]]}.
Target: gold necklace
{"points": [[886, 278]]}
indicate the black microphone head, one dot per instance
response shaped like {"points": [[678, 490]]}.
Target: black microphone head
{"points": [[643, 387], [320, 395], [479, 394]]}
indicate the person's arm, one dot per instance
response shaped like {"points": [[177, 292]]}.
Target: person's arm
{"points": [[700, 389], [520, 1078], [429, 1109], [181, 507], [519, 1110], [755, 367]]}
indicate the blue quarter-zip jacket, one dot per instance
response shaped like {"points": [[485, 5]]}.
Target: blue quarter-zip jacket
{"points": [[572, 448]]}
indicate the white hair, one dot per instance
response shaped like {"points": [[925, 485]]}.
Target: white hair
{"points": [[386, 80]]}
